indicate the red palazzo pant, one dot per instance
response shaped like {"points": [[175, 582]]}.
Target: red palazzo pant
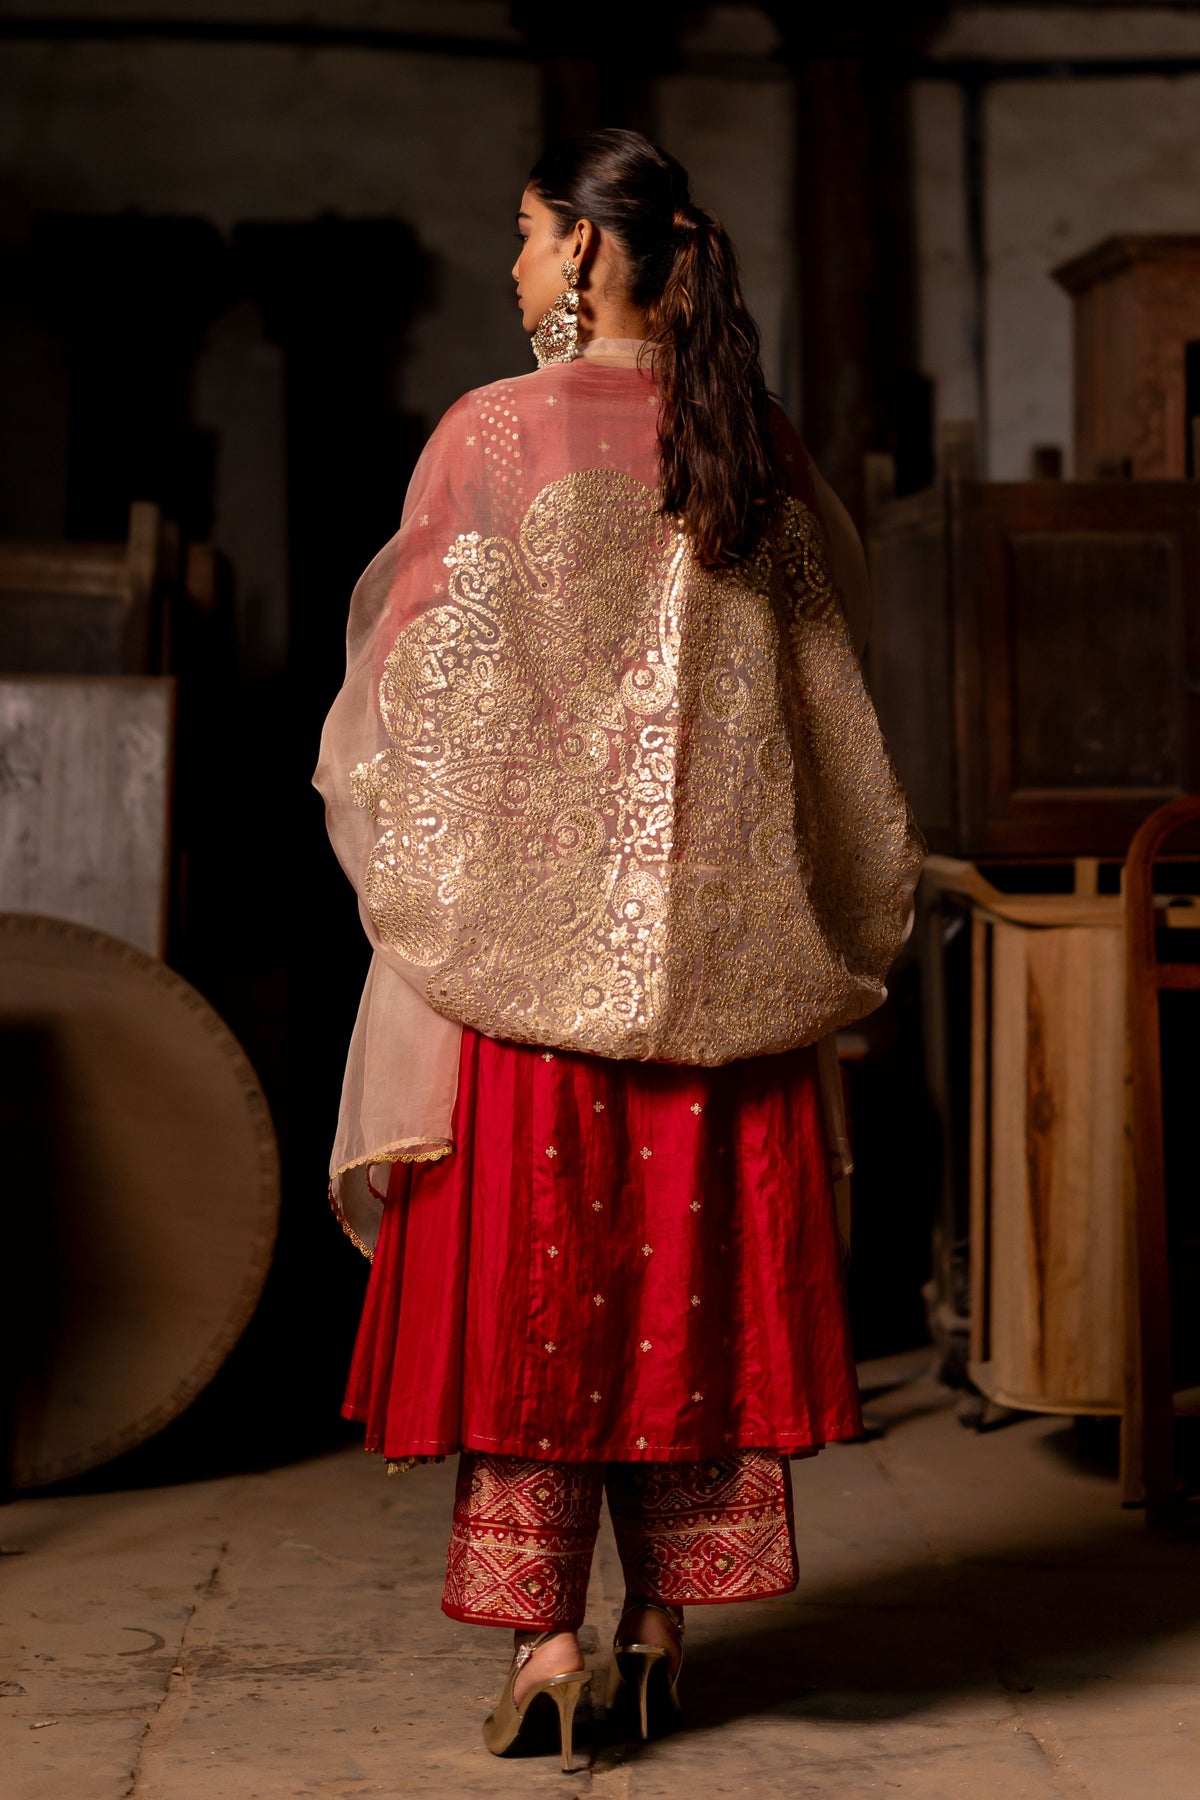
{"points": [[621, 1263], [524, 1531]]}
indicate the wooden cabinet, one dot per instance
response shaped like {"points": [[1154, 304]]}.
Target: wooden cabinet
{"points": [[1035, 659], [1137, 355]]}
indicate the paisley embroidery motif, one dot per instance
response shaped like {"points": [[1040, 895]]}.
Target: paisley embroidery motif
{"points": [[631, 806]]}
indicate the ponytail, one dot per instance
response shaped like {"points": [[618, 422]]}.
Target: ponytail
{"points": [[719, 477], [718, 471]]}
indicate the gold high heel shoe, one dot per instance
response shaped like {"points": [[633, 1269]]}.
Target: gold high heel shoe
{"points": [[502, 1728], [635, 1664]]}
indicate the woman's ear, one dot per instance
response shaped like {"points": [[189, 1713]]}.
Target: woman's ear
{"points": [[583, 242]]}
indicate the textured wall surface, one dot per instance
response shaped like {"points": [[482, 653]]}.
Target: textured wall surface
{"points": [[1069, 164], [736, 139], [1065, 162]]}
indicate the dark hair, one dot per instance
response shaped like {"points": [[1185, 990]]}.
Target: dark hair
{"points": [[718, 470]]}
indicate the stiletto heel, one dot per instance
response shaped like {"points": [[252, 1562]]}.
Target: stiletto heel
{"points": [[633, 1665], [566, 1696], [505, 1727]]}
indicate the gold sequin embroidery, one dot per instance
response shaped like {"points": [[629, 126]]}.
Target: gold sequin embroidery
{"points": [[632, 806]]}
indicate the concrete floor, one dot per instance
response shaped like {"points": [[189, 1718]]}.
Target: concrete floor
{"points": [[977, 1618]]}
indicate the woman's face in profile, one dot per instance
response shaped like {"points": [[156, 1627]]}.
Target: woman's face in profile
{"points": [[538, 269]]}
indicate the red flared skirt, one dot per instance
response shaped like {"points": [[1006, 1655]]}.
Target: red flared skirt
{"points": [[620, 1261]]}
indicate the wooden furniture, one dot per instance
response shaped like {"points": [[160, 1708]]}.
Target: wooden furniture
{"points": [[1049, 1168], [127, 1280], [1137, 356], [1156, 1395], [1068, 1305], [1035, 658], [86, 609]]}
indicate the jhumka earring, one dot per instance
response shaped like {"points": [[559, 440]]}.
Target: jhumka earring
{"points": [[556, 338]]}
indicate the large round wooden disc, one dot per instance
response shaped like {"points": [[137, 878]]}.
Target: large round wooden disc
{"points": [[143, 1194]]}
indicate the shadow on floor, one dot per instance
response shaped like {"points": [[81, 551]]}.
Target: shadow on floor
{"points": [[1047, 1617]]}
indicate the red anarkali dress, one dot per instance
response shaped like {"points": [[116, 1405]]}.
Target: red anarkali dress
{"points": [[620, 1262], [629, 849]]}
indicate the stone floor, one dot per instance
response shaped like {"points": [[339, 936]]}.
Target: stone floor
{"points": [[977, 1618]]}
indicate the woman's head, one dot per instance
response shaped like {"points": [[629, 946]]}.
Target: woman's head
{"points": [[621, 208]]}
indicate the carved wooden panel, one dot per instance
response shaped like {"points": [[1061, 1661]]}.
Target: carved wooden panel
{"points": [[1102, 607], [1077, 619], [1035, 659]]}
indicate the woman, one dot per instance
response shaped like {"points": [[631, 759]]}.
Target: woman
{"points": [[629, 849]]}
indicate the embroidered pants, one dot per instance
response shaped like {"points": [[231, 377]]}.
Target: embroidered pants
{"points": [[523, 1534]]}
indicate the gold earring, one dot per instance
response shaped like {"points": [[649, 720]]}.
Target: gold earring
{"points": [[557, 336]]}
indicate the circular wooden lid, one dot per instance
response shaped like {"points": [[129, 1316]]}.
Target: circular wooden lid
{"points": [[143, 1202]]}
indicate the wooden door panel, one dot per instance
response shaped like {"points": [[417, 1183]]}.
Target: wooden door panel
{"points": [[1075, 619]]}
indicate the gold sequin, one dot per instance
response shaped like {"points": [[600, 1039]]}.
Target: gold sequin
{"points": [[696, 1107], [696, 1205], [695, 1299], [642, 1443], [547, 859], [597, 1299], [645, 1344], [550, 1347], [597, 1206], [596, 1397], [645, 1152], [543, 1443], [597, 1106], [552, 1251], [547, 1056], [697, 1396], [647, 1250], [551, 1152]]}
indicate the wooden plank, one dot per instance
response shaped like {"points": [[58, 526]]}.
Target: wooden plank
{"points": [[1150, 1413], [969, 883], [1059, 1166], [86, 771], [979, 1151]]}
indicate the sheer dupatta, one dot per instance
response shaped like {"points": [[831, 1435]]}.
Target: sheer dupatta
{"points": [[590, 794]]}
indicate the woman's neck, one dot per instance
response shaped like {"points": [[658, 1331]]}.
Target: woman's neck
{"points": [[602, 318]]}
